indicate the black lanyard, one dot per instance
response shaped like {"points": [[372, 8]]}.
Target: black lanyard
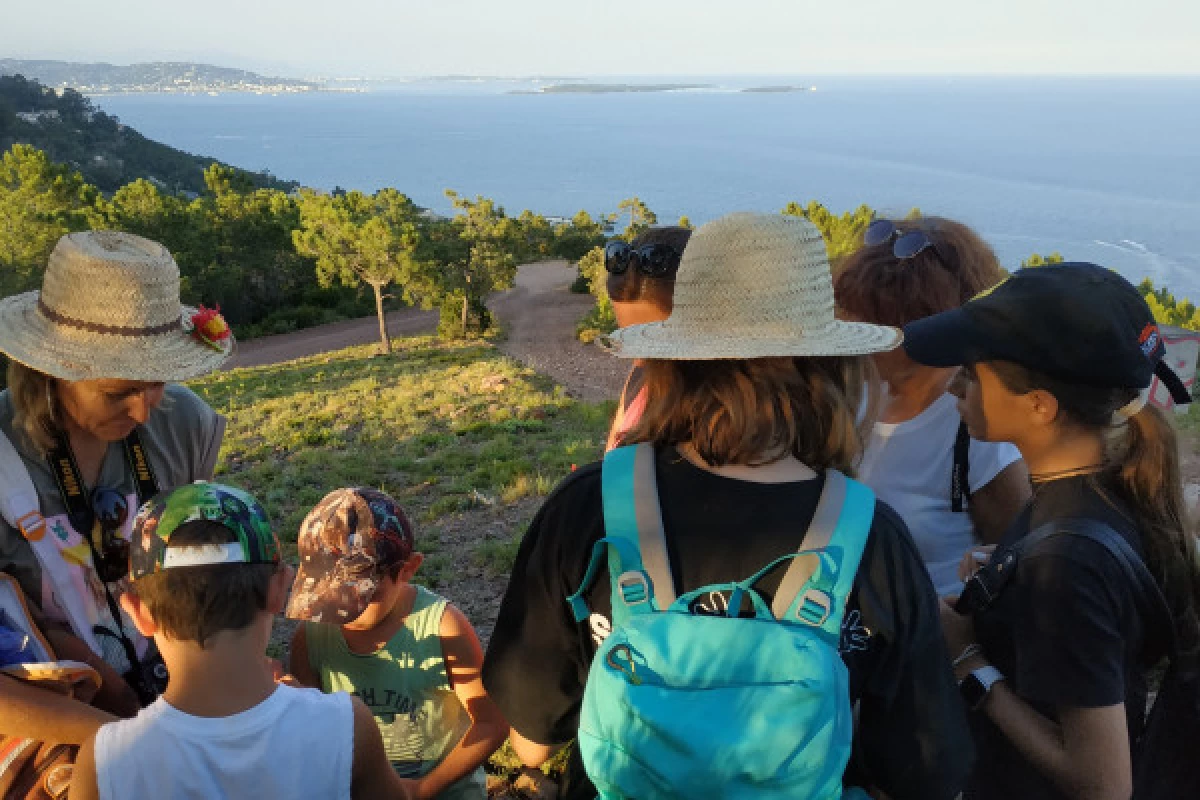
{"points": [[959, 486]]}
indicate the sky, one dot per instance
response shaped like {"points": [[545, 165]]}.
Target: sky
{"points": [[394, 38]]}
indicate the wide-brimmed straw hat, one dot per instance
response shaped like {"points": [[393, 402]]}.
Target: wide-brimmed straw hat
{"points": [[109, 308], [753, 286]]}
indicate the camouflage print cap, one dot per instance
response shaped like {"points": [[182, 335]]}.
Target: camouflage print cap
{"points": [[345, 545], [215, 502]]}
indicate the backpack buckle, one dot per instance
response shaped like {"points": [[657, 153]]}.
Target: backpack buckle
{"points": [[634, 587], [814, 607]]}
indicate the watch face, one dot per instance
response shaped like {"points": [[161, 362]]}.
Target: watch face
{"points": [[973, 692]]}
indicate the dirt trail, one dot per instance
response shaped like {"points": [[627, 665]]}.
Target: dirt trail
{"points": [[325, 338], [539, 315]]}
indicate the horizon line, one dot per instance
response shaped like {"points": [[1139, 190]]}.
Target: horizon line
{"points": [[564, 75]]}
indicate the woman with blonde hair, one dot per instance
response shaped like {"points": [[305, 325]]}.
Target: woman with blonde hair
{"points": [[98, 425], [752, 389]]}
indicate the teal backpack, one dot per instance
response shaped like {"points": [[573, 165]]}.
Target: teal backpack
{"points": [[686, 705]]}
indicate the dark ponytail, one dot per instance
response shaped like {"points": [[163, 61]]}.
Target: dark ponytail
{"points": [[1142, 455], [1145, 450]]}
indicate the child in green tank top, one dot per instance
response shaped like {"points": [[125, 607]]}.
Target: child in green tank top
{"points": [[409, 655]]}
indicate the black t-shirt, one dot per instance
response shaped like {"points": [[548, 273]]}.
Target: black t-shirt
{"points": [[1065, 632], [912, 739]]}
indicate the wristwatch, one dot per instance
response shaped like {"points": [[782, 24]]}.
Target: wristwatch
{"points": [[977, 685]]}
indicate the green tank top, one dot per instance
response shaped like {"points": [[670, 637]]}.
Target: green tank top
{"points": [[407, 689]]}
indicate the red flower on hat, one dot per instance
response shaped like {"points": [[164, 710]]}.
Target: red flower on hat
{"points": [[209, 327]]}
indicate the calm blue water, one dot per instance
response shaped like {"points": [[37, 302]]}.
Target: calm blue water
{"points": [[1106, 170]]}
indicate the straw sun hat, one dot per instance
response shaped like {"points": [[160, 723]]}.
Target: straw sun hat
{"points": [[109, 308], [753, 286]]}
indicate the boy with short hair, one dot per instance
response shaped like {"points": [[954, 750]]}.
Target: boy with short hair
{"points": [[207, 582], [413, 658]]}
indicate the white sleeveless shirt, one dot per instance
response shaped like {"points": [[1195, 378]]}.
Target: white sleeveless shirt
{"points": [[298, 743]]}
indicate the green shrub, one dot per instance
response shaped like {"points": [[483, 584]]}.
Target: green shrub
{"points": [[601, 319]]}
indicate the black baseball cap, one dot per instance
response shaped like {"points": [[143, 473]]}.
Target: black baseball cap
{"points": [[1072, 321]]}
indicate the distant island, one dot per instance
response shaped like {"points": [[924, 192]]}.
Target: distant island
{"points": [[778, 89], [70, 129], [159, 76], [616, 88]]}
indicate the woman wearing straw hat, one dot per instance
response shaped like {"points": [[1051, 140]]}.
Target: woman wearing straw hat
{"points": [[752, 392], [98, 425]]}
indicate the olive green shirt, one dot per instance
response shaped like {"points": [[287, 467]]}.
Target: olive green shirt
{"points": [[407, 689]]}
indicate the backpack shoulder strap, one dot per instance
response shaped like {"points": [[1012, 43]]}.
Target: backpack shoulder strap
{"points": [[632, 513], [816, 538], [638, 567], [1147, 594], [819, 580]]}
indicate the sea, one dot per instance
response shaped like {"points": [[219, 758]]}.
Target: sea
{"points": [[1097, 169]]}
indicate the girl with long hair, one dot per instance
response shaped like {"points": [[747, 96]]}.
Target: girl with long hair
{"points": [[1054, 658]]}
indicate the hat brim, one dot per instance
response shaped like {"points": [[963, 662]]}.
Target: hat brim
{"points": [[30, 338], [662, 340], [950, 339], [327, 596]]}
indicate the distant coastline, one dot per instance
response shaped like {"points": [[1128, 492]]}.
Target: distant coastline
{"points": [[190, 78], [159, 77], [615, 88], [778, 89]]}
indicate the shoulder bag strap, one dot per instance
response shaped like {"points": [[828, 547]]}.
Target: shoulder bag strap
{"points": [[1148, 595], [21, 508]]}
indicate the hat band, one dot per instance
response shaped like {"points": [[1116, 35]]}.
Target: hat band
{"points": [[98, 327]]}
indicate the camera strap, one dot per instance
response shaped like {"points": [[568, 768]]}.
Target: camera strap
{"points": [[74, 494], [73, 491]]}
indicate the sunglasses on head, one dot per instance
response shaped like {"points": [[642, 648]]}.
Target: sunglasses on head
{"points": [[652, 260], [111, 556], [905, 245]]}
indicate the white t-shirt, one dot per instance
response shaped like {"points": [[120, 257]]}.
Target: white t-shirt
{"points": [[909, 465], [296, 743]]}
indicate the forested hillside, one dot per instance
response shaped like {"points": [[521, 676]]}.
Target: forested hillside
{"points": [[70, 129]]}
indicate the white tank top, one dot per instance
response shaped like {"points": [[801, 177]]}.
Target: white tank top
{"points": [[298, 743]]}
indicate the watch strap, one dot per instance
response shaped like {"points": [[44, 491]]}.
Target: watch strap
{"points": [[987, 676], [976, 687]]}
